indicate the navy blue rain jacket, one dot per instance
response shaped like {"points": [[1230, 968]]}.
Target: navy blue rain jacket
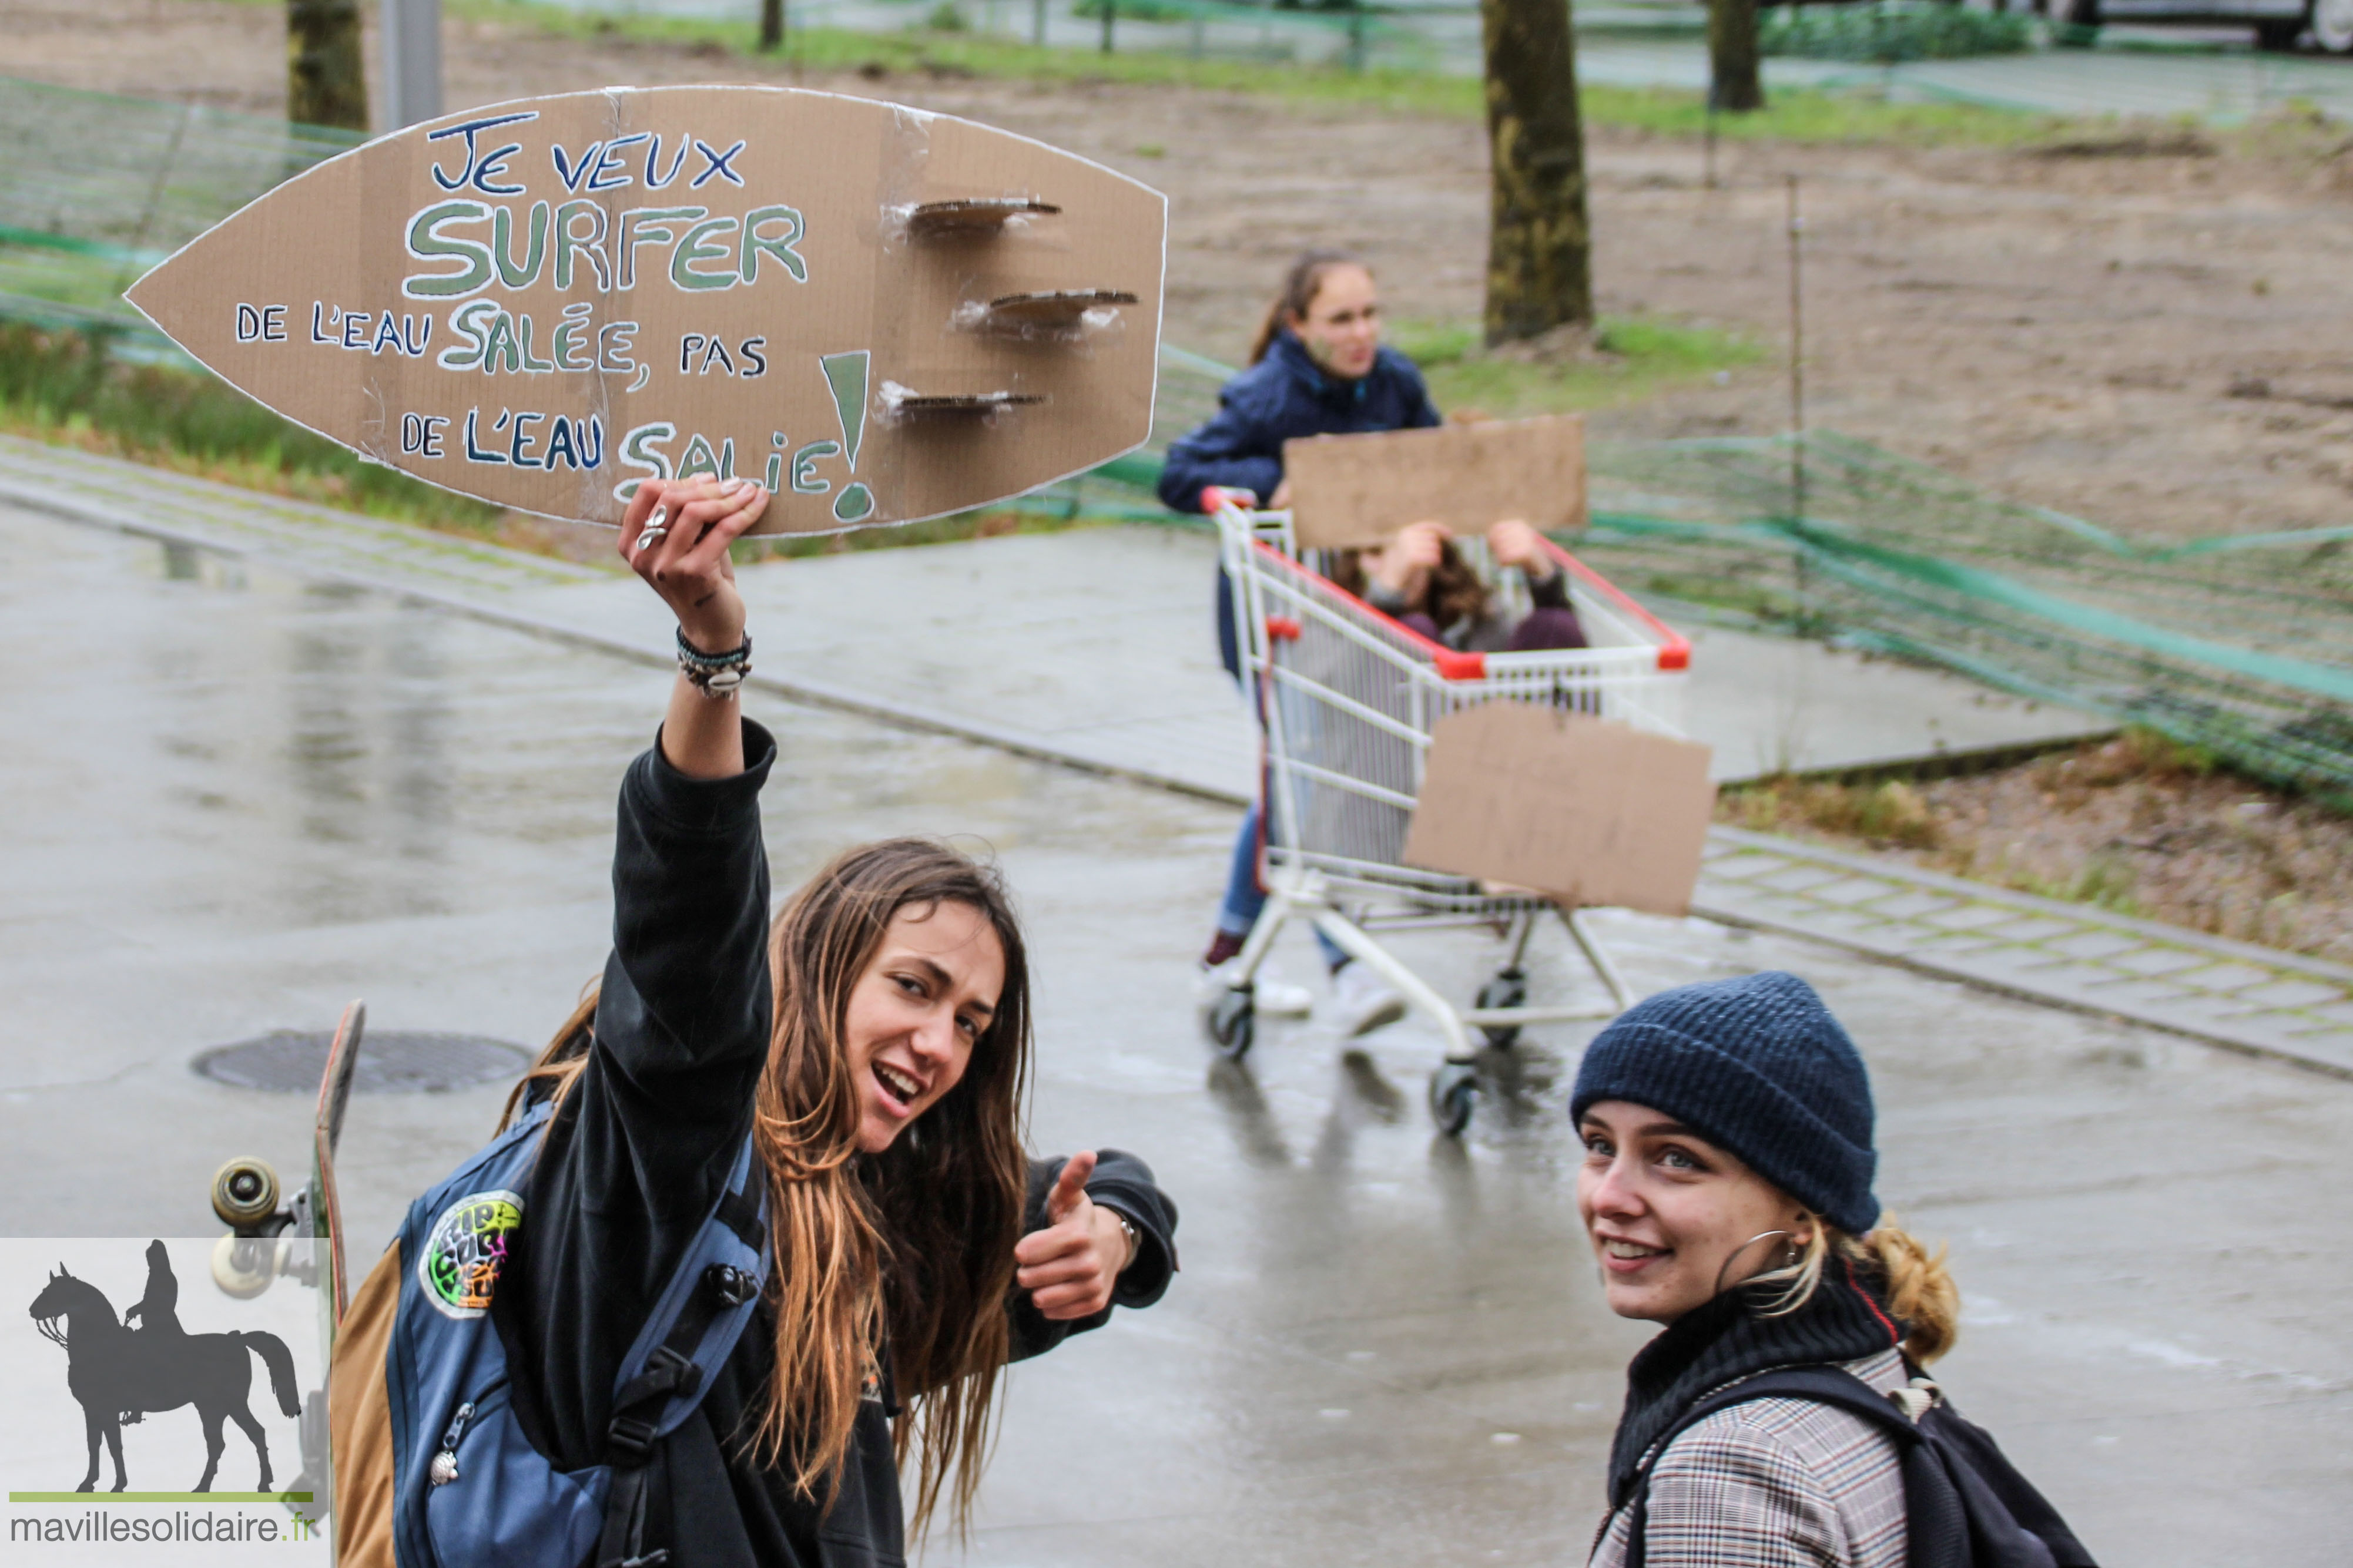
{"points": [[1283, 396]]}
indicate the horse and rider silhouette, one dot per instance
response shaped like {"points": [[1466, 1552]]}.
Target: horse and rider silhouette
{"points": [[120, 1373]]}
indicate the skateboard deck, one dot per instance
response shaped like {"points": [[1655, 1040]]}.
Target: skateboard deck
{"points": [[327, 1129], [324, 1222]]}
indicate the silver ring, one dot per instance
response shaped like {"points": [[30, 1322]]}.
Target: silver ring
{"points": [[653, 531]]}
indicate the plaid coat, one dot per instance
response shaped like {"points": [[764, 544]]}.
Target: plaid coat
{"points": [[1775, 1483]]}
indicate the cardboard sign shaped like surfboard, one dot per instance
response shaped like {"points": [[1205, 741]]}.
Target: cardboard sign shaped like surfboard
{"points": [[881, 314]]}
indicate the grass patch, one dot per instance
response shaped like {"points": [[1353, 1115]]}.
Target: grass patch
{"points": [[1631, 357], [1788, 116], [63, 387], [1893, 31]]}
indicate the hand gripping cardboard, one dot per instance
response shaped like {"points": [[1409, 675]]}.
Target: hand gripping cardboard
{"points": [[882, 314]]}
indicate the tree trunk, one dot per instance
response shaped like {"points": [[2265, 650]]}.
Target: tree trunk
{"points": [[1539, 243], [772, 24], [326, 82], [1734, 85]]}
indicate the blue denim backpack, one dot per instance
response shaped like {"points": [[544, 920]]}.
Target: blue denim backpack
{"points": [[467, 1488]]}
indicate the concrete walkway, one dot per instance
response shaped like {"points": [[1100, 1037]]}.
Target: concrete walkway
{"points": [[1090, 648]]}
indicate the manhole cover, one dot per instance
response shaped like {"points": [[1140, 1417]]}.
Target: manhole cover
{"points": [[291, 1061]]}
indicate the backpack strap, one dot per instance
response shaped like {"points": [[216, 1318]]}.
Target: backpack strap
{"points": [[692, 1330], [1820, 1385]]}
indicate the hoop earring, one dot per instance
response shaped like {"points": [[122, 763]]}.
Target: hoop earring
{"points": [[1733, 1256]]}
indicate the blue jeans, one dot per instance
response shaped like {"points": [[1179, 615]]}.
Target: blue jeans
{"points": [[1245, 898]]}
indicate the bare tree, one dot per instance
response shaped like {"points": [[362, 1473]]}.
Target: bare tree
{"points": [[326, 82], [1733, 84], [1539, 243]]}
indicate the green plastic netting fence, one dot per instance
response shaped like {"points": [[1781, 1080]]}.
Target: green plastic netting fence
{"points": [[2241, 644], [96, 189]]}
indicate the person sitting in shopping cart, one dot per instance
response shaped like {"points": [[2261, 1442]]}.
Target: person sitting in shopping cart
{"points": [[1421, 581], [1316, 369]]}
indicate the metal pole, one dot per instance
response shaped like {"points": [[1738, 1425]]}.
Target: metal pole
{"points": [[1038, 24], [1356, 36], [1797, 389], [1110, 9], [412, 62]]}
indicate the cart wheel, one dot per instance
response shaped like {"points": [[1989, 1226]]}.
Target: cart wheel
{"points": [[1451, 1089], [1508, 989], [1233, 1024]]}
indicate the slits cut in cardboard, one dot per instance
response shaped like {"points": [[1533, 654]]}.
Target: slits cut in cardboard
{"points": [[1349, 490], [881, 314], [1586, 811]]}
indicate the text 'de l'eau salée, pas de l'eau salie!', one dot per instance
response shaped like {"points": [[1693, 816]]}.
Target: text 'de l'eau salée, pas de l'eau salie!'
{"points": [[492, 230]]}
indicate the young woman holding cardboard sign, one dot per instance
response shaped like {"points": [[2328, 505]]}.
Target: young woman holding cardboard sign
{"points": [[1318, 368], [871, 1042]]}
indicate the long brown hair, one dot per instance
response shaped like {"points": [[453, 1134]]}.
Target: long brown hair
{"points": [[1451, 593], [912, 1248], [1300, 285]]}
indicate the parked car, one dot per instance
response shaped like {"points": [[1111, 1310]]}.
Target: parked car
{"points": [[2278, 24]]}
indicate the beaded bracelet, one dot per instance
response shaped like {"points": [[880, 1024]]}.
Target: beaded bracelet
{"points": [[714, 673]]}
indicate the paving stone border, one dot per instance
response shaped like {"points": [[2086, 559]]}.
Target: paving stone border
{"points": [[2232, 993], [2250, 998]]}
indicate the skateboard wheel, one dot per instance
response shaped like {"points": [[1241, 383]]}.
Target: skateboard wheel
{"points": [[245, 1193], [243, 1267]]}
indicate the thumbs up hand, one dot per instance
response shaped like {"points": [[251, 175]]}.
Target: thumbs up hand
{"points": [[1070, 1267]]}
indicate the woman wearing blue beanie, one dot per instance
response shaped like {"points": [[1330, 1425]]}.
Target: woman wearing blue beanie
{"points": [[1726, 1189]]}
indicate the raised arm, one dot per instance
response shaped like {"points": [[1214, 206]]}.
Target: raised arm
{"points": [[675, 535], [684, 1005]]}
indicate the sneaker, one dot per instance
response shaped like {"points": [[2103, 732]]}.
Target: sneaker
{"points": [[1362, 1001], [1274, 998]]}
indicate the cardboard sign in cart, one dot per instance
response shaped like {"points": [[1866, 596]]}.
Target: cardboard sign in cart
{"points": [[881, 314]]}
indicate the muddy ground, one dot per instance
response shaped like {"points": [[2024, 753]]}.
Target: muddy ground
{"points": [[2155, 339]]}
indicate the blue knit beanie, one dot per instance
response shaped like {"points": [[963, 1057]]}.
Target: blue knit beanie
{"points": [[1757, 1066]]}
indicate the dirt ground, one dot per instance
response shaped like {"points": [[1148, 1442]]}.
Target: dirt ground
{"points": [[2160, 340]]}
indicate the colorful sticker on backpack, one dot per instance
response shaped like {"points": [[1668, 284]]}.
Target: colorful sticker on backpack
{"points": [[465, 1251]]}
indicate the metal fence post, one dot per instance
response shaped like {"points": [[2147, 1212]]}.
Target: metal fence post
{"points": [[412, 62]]}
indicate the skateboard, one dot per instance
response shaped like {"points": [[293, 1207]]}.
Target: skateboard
{"points": [[246, 1261]]}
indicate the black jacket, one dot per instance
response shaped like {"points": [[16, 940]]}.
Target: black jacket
{"points": [[635, 1160]]}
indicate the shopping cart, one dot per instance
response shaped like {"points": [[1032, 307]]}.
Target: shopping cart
{"points": [[1347, 698]]}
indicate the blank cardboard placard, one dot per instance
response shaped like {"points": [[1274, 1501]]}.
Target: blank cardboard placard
{"points": [[1359, 490], [1588, 811], [544, 302]]}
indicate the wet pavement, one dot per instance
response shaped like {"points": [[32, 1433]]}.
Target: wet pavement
{"points": [[236, 799]]}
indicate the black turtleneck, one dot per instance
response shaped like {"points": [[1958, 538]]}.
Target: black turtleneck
{"points": [[1730, 1339]]}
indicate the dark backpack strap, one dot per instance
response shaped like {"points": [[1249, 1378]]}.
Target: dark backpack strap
{"points": [[672, 1379], [1831, 1385]]}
